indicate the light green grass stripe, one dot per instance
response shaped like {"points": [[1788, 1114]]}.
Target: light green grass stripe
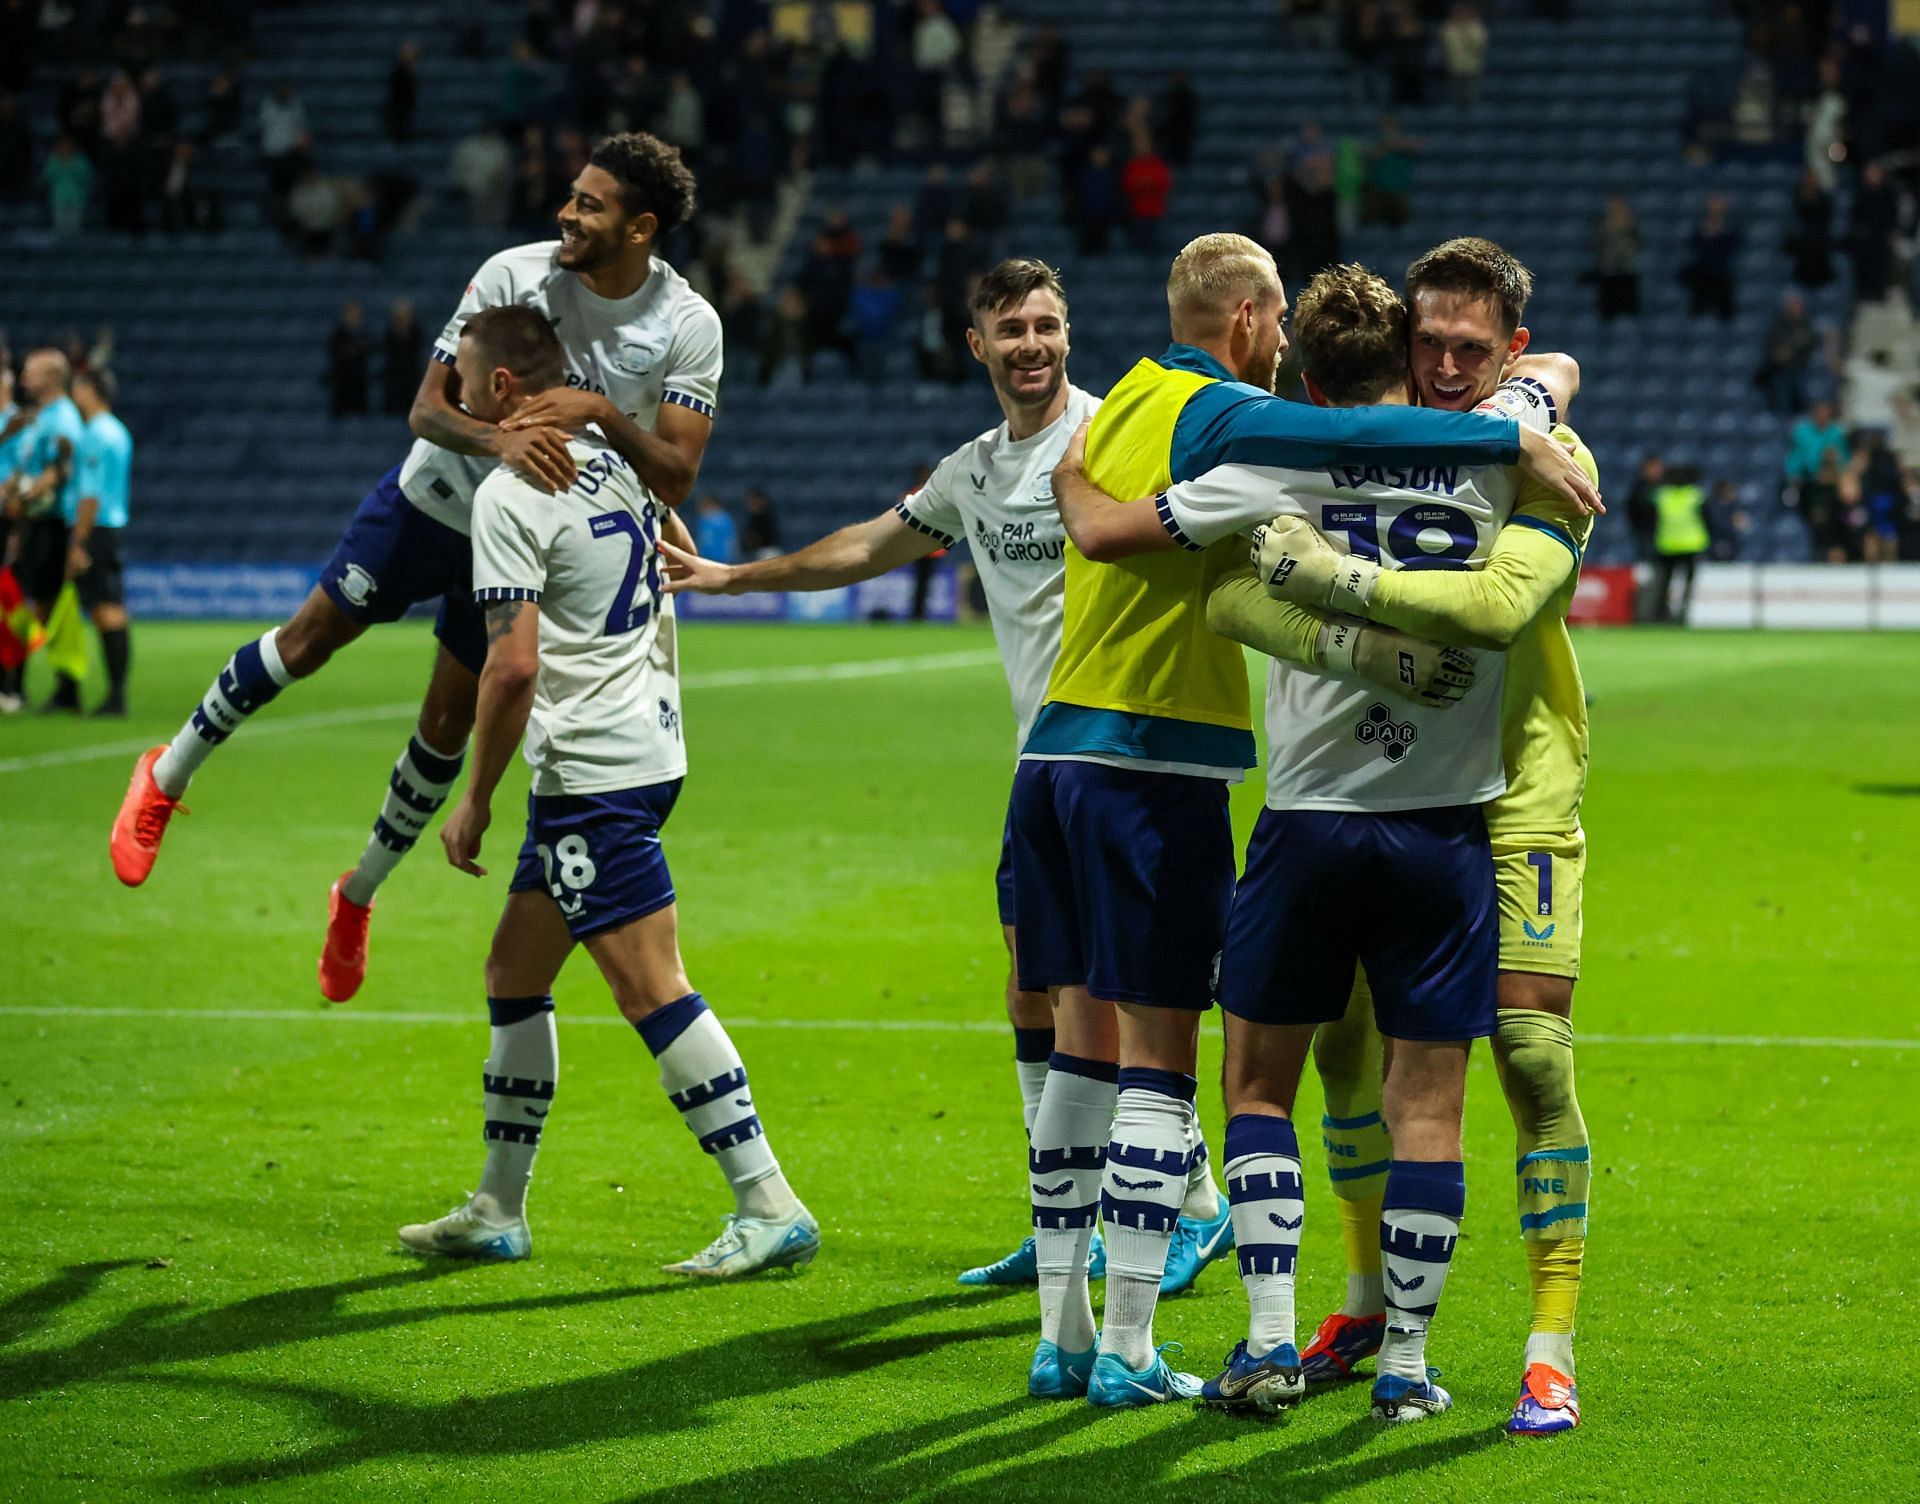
{"points": [[739, 678], [894, 1025]]}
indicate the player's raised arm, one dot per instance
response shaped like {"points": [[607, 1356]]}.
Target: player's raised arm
{"points": [[540, 453], [667, 460], [846, 557], [1103, 527]]}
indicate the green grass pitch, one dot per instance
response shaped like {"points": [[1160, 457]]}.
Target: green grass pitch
{"points": [[200, 1289]]}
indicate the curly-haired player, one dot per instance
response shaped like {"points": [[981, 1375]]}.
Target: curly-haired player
{"points": [[643, 355]]}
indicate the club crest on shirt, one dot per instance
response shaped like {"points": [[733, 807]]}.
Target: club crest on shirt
{"points": [[633, 357]]}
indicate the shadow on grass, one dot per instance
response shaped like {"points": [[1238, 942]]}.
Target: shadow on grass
{"points": [[163, 1333], [678, 1392]]}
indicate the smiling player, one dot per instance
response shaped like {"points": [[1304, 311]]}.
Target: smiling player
{"points": [[643, 357]]}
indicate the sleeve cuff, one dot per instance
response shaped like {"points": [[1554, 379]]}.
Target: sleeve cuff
{"points": [[944, 539], [444, 356], [1174, 530], [1553, 410], [687, 399], [493, 595]]}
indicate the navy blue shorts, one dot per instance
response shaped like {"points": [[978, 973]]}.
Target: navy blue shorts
{"points": [[598, 855], [1121, 881], [1003, 874], [1408, 896], [393, 556]]}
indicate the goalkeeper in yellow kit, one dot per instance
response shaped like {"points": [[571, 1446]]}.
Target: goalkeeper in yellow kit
{"points": [[1467, 298]]}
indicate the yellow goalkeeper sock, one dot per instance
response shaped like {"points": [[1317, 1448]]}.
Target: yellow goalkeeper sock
{"points": [[1358, 1149]]}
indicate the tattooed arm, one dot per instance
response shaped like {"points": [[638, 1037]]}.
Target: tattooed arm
{"points": [[506, 696]]}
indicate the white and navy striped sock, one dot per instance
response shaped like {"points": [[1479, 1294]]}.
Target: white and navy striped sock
{"points": [[1065, 1153], [701, 1073], [1419, 1225], [252, 677], [1264, 1191], [1140, 1197], [522, 1068], [418, 786]]}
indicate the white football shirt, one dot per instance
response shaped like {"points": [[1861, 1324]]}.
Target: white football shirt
{"points": [[660, 345], [606, 706], [996, 492], [1336, 741]]}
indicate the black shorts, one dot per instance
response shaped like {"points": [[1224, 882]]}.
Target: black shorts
{"points": [[43, 558], [104, 583]]}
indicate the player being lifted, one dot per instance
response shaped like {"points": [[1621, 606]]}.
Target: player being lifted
{"points": [[582, 658], [1467, 299], [1372, 807], [643, 355], [1123, 853], [994, 492]]}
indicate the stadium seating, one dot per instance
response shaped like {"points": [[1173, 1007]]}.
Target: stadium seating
{"points": [[221, 339]]}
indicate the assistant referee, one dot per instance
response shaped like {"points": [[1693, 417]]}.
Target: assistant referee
{"points": [[103, 466]]}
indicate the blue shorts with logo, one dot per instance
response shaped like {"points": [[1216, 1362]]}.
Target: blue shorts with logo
{"points": [[1409, 896], [598, 855], [1122, 879], [393, 556]]}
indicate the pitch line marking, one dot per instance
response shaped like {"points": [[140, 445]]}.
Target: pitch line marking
{"points": [[849, 1025], [739, 678]]}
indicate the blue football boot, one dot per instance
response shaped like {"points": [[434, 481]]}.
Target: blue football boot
{"points": [[1115, 1386], [1056, 1375], [1021, 1267], [1397, 1400], [1269, 1383], [1195, 1245]]}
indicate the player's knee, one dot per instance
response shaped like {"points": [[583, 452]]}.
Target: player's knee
{"points": [[1027, 1010], [446, 728], [1341, 1055], [1533, 1052]]}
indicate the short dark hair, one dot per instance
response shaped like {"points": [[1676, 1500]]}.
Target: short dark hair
{"points": [[1476, 268], [1012, 282], [1351, 328], [518, 339], [102, 383], [652, 177]]}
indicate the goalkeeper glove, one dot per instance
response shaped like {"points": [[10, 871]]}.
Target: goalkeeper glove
{"points": [[1427, 673], [1296, 563]]}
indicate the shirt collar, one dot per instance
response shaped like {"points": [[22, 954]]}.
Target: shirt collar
{"points": [[1181, 357]]}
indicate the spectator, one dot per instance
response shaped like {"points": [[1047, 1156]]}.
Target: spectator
{"points": [[482, 169], [934, 205], [1708, 272], [402, 357], [1097, 203], [996, 41], [1177, 118], [121, 164], [985, 204], [524, 87], [1810, 241], [899, 249], [1463, 46], [714, 533], [933, 352], [787, 346], [16, 149], [1812, 437], [1315, 214], [78, 107], [1386, 192], [1274, 227], [284, 137], [1349, 181], [159, 111], [1878, 396], [1642, 515], [316, 208], [1727, 523], [874, 309], [1407, 53], [1366, 44], [1790, 346], [742, 312], [403, 93], [1679, 539], [1870, 232], [184, 203], [839, 239], [826, 279], [1616, 260], [1822, 498], [348, 352], [1146, 183], [937, 51], [760, 538], [1826, 127], [68, 176], [220, 110], [961, 258], [532, 194], [1021, 128], [1880, 498], [683, 118]]}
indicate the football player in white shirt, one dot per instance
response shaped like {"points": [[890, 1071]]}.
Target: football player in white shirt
{"points": [[996, 493], [581, 657], [643, 356], [1372, 849]]}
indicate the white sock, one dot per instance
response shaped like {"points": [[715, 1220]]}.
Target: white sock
{"points": [[252, 677], [1419, 1226], [1366, 1295], [1064, 1160], [522, 1069], [418, 786], [1140, 1196], [700, 1071], [1033, 1081], [1264, 1190], [1203, 1191], [1555, 1349]]}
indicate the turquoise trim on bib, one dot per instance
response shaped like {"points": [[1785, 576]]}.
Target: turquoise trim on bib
{"points": [[1063, 730]]}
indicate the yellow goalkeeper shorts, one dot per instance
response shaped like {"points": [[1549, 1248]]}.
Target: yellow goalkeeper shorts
{"points": [[1539, 882]]}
